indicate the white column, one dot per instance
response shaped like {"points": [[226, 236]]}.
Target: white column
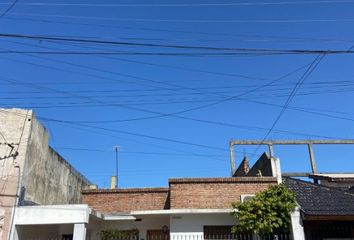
{"points": [[297, 229], [79, 231], [14, 234], [276, 170]]}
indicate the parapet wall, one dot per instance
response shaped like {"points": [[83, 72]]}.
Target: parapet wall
{"points": [[44, 176], [216, 193], [47, 177], [127, 200]]}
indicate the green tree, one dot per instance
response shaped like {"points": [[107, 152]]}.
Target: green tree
{"points": [[266, 213], [115, 234]]}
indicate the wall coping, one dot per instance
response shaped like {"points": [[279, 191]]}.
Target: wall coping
{"points": [[126, 190], [223, 180]]}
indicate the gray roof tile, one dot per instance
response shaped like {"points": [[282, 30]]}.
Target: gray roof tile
{"points": [[316, 199]]}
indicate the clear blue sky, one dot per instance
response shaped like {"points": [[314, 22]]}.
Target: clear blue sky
{"points": [[69, 87]]}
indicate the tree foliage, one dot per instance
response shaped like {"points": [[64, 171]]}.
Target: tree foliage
{"points": [[266, 213], [113, 234]]}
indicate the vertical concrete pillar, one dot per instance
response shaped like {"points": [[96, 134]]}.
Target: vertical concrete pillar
{"points": [[271, 152], [14, 234], [297, 229], [312, 158], [232, 159], [79, 231], [276, 170]]}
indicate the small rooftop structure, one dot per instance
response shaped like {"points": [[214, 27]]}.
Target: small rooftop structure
{"points": [[344, 181], [320, 202]]}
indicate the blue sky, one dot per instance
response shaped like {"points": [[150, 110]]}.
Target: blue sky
{"points": [[96, 94]]}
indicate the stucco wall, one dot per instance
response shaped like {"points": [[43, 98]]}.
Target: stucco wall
{"points": [[144, 224], [194, 223], [48, 178], [15, 125], [35, 232]]}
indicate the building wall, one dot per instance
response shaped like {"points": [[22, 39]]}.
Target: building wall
{"points": [[195, 222], [126, 200], [144, 224], [191, 226], [15, 127], [47, 177], [187, 193], [214, 192], [337, 184], [33, 232]]}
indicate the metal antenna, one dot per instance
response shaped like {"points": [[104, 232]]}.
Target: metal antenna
{"points": [[116, 148]]}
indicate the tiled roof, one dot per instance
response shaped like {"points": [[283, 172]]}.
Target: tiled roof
{"points": [[316, 199]]}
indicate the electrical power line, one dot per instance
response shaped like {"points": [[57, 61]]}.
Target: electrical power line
{"points": [[258, 36], [234, 51], [298, 84], [252, 21], [245, 3], [12, 5]]}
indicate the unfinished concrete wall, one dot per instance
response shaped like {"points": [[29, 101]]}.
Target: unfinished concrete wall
{"points": [[47, 177], [15, 125], [27, 161]]}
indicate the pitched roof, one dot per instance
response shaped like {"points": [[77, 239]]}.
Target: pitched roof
{"points": [[243, 169], [316, 199]]}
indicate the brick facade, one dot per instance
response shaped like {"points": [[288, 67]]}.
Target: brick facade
{"points": [[214, 192], [183, 193], [126, 200]]}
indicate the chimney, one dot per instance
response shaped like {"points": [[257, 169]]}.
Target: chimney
{"points": [[113, 182]]}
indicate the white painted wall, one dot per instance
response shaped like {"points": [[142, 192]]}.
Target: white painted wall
{"points": [[191, 226], [297, 229], [42, 231], [148, 222], [196, 222]]}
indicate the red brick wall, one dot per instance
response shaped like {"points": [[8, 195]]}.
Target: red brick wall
{"points": [[214, 192], [183, 193], [126, 200]]}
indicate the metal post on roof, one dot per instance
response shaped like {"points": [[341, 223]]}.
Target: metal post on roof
{"points": [[232, 159], [312, 158], [271, 152]]}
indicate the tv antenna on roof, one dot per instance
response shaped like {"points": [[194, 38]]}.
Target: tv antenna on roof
{"points": [[116, 149]]}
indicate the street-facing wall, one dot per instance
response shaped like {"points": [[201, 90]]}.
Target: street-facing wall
{"points": [[214, 192], [29, 168], [126, 200]]}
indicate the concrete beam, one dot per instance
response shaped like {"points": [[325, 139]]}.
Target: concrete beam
{"points": [[52, 214], [289, 142], [296, 174]]}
